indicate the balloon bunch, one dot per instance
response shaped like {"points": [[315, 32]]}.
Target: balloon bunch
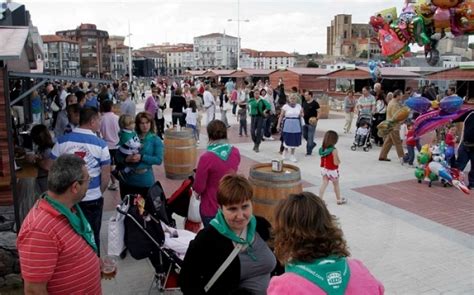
{"points": [[385, 127], [433, 167], [374, 70], [424, 23], [434, 115]]}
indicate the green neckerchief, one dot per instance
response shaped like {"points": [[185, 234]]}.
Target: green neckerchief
{"points": [[325, 152], [331, 274], [77, 221], [221, 226], [221, 149]]}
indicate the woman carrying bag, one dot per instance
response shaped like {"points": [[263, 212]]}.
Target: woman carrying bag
{"points": [[231, 253]]}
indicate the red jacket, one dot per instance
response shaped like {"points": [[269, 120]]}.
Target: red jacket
{"points": [[411, 138]]}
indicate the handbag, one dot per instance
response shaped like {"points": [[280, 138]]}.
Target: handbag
{"points": [[116, 231], [193, 210], [223, 267], [55, 107]]}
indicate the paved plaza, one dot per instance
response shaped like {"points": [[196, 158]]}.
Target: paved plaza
{"points": [[415, 239]]}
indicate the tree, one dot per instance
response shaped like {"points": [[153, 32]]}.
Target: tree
{"points": [[312, 64], [363, 54]]}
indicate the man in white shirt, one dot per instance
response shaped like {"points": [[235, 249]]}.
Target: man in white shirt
{"points": [[209, 104]]}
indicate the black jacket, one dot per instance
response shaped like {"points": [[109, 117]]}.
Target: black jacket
{"points": [[177, 104], [205, 255]]}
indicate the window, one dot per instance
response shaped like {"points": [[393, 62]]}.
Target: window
{"points": [[346, 20], [345, 34], [219, 48]]}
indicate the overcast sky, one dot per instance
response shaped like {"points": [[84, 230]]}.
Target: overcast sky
{"points": [[274, 25]]}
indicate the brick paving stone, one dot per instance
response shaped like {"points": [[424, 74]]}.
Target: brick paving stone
{"points": [[447, 206]]}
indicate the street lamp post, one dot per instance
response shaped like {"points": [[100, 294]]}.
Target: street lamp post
{"points": [[130, 74], [238, 20]]}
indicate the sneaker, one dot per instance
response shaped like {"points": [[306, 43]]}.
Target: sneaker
{"points": [[270, 138], [401, 161], [113, 186], [283, 155], [293, 159]]}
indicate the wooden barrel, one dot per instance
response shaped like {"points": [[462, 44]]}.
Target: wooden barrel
{"points": [[323, 111], [180, 153], [269, 187]]}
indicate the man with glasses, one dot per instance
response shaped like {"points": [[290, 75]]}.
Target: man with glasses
{"points": [[56, 244], [83, 142]]}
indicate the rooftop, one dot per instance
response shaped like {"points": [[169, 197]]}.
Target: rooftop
{"points": [[55, 38], [13, 41], [216, 35]]}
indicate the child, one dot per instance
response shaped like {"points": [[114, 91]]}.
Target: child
{"points": [[450, 141], [129, 143], [330, 165], [410, 143], [191, 118], [361, 134], [242, 113]]}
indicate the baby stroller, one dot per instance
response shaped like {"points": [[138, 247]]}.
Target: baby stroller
{"points": [[150, 233], [363, 139]]}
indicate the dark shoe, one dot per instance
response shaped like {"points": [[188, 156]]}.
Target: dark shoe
{"points": [[256, 149], [386, 160]]}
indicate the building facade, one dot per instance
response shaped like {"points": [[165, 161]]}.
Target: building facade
{"points": [[346, 39], [119, 56], [94, 50], [61, 56], [178, 60], [215, 50], [266, 60]]}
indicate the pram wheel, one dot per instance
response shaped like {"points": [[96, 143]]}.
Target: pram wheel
{"points": [[366, 149], [353, 147]]}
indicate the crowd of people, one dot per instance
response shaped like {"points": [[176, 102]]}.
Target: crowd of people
{"points": [[93, 150]]}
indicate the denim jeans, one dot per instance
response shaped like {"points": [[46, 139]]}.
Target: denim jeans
{"points": [[256, 123], [195, 132], [93, 213], [267, 124], [308, 135], [466, 154], [411, 154], [243, 127]]}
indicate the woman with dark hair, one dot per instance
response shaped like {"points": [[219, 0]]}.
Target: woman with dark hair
{"points": [[380, 112], [178, 105], [141, 178], [42, 138], [310, 243], [219, 159], [234, 227]]}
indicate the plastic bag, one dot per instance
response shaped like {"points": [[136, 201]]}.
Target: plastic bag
{"points": [[193, 209]]}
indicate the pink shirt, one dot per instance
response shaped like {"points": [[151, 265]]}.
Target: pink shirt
{"points": [[209, 172], [151, 106], [109, 129], [361, 282]]}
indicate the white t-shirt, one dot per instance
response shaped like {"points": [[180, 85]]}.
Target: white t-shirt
{"points": [[292, 112], [362, 131], [191, 118]]}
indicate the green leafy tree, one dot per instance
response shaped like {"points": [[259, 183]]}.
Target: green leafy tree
{"points": [[363, 54], [312, 64]]}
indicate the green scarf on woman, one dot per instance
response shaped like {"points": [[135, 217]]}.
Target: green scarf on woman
{"points": [[77, 221], [220, 148], [331, 273], [223, 228]]}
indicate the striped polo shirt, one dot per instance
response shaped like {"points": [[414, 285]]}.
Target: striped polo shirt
{"points": [[366, 105], [94, 151], [51, 251]]}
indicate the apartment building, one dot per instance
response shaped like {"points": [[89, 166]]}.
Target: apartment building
{"points": [[61, 56]]}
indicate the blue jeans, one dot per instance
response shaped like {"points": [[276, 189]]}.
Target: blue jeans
{"points": [[466, 154], [267, 124], [195, 132], [93, 213], [411, 154], [243, 127], [308, 135], [256, 123]]}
